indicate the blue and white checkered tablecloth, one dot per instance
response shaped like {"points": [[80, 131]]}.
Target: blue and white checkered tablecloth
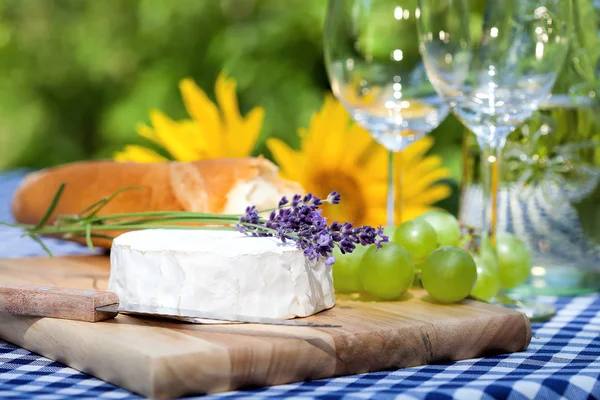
{"points": [[562, 361]]}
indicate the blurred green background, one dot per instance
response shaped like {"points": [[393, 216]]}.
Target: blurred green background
{"points": [[77, 76]]}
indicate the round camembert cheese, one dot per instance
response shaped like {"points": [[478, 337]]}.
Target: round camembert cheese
{"points": [[218, 271]]}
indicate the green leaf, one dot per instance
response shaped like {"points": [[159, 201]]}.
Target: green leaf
{"points": [[101, 236], [10, 225], [97, 206], [41, 243], [88, 237], [52, 207]]}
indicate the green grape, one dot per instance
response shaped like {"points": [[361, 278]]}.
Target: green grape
{"points": [[418, 237], [345, 270], [387, 272], [445, 225], [449, 274], [487, 253], [488, 281], [514, 260]]}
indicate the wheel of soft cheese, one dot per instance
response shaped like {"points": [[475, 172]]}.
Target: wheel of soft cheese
{"points": [[218, 271]]}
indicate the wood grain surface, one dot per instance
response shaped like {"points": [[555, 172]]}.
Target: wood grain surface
{"points": [[166, 359]]}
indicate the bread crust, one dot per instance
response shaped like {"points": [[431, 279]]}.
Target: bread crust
{"points": [[200, 186]]}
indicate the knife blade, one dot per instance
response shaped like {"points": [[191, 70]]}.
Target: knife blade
{"points": [[170, 312], [94, 306]]}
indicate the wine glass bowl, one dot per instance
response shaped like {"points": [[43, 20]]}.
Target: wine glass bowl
{"points": [[494, 62], [395, 114], [493, 73], [376, 71]]}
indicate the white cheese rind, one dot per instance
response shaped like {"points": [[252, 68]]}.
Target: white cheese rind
{"points": [[218, 271]]}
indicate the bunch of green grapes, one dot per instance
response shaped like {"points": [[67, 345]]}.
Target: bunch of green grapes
{"points": [[429, 246]]}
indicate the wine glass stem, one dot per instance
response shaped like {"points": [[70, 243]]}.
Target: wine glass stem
{"points": [[491, 154], [392, 199]]}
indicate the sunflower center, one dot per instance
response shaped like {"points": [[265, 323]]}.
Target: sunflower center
{"points": [[352, 208]]}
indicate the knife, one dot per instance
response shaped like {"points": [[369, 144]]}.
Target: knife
{"points": [[94, 306]]}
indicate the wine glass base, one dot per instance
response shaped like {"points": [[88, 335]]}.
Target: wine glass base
{"points": [[535, 311]]}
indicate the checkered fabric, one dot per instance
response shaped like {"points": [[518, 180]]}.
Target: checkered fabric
{"points": [[562, 361]]}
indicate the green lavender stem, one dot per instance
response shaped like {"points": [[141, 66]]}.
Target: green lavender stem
{"points": [[89, 225], [179, 214]]}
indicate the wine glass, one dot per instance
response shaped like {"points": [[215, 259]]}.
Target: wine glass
{"points": [[376, 71], [494, 71]]}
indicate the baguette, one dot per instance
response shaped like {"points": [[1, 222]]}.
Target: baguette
{"points": [[212, 186]]}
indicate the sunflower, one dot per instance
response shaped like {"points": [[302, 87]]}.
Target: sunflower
{"points": [[214, 130], [336, 154]]}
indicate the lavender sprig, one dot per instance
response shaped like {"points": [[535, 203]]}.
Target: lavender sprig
{"points": [[298, 220], [301, 221]]}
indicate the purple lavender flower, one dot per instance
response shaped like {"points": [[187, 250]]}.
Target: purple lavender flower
{"points": [[382, 238], [324, 239], [296, 200], [334, 198], [302, 222]]}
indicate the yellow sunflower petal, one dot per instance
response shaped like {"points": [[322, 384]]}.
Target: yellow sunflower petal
{"points": [[424, 182], [376, 216], [311, 135], [227, 99], [417, 171], [376, 164], [206, 115], [303, 135], [242, 141], [431, 195], [378, 190], [328, 136], [138, 154], [148, 133], [416, 150], [361, 145], [172, 137], [290, 163], [196, 140], [413, 211], [239, 134]]}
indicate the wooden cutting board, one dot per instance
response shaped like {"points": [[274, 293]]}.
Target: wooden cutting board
{"points": [[163, 359]]}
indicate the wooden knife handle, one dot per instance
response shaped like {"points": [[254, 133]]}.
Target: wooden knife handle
{"points": [[46, 301]]}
